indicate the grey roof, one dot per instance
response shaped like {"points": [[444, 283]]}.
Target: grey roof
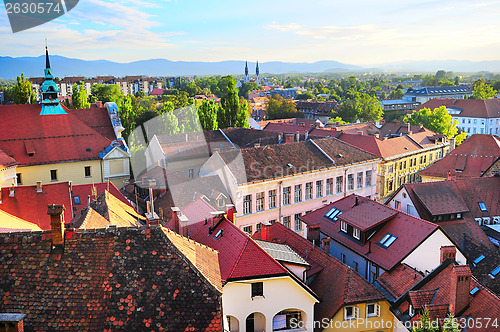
{"points": [[430, 90], [282, 252]]}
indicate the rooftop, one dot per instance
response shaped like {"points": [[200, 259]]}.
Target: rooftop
{"points": [[473, 108]]}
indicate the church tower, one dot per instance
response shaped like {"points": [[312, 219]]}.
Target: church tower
{"points": [[257, 75], [246, 79], [50, 103]]}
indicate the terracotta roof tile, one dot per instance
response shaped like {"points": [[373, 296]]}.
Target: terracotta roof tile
{"points": [[10, 223], [399, 280], [6, 160], [473, 108], [131, 279]]}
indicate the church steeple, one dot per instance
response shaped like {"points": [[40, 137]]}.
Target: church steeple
{"points": [[50, 103], [257, 75], [246, 79]]}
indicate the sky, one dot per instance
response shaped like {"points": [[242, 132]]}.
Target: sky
{"points": [[365, 33]]}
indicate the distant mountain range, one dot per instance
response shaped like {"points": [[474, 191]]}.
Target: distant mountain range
{"points": [[62, 66]]}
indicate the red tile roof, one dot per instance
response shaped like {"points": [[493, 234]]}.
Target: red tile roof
{"points": [[439, 198], [239, 256], [54, 138], [6, 160], [84, 190], [367, 215], [472, 108], [287, 128], [157, 92], [133, 279], [10, 223], [399, 280], [96, 118], [335, 283], [31, 206], [470, 159], [410, 232]]}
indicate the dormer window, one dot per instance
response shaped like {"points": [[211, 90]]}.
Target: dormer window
{"points": [[343, 226], [356, 233], [387, 240]]}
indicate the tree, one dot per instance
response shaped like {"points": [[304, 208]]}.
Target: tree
{"points": [[383, 95], [305, 96], [279, 108], [481, 90], [231, 113], [450, 324], [170, 124], [127, 115], [336, 120], [362, 107], [243, 114], [23, 91], [79, 99], [207, 113], [424, 324], [106, 93], [439, 121], [246, 88], [397, 94]]}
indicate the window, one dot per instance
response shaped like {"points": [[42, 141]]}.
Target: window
{"points": [[247, 204], [343, 226], [350, 182], [368, 178], [333, 214], [343, 258], [298, 223], [272, 221], [474, 291], [191, 173], [356, 233], [494, 273], [19, 178], [359, 180], [272, 198], [319, 189], [259, 199], [76, 199], [257, 289], [372, 310], [298, 193], [351, 312], [477, 260], [339, 184], [329, 187], [397, 205], [53, 175], [390, 184], [286, 195], [88, 173], [309, 190], [390, 169], [482, 206], [356, 266], [387, 240], [409, 209], [259, 227], [247, 229], [286, 221]]}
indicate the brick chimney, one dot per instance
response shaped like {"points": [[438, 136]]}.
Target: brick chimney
{"points": [[56, 213], [459, 288], [382, 122], [313, 233], [448, 252], [180, 222], [288, 138], [325, 244], [11, 322], [230, 211], [264, 231], [397, 122], [39, 188]]}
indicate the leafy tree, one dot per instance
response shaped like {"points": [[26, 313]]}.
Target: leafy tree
{"points": [[440, 74], [192, 89], [22, 91], [450, 324], [207, 113], [397, 94], [424, 324], [127, 115], [140, 94], [170, 123], [106, 93], [243, 114], [360, 107], [337, 119], [481, 90], [305, 96], [383, 95], [438, 121], [79, 99], [231, 113], [279, 108], [246, 88]]}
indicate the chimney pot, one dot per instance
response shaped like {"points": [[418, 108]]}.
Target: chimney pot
{"points": [[56, 213], [230, 210], [459, 288], [39, 188], [325, 244], [360, 133], [313, 233], [448, 252]]}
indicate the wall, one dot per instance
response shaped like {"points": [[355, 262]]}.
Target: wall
{"points": [[69, 171], [384, 322], [426, 256], [7, 175], [403, 197], [279, 294]]}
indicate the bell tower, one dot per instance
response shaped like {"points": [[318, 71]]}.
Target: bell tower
{"points": [[50, 103]]}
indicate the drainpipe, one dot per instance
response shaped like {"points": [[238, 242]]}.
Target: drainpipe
{"points": [[345, 182], [279, 200]]}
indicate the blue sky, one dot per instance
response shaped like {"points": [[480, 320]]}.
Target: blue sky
{"points": [[356, 32]]}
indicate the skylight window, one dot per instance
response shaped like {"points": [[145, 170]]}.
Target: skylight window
{"points": [[494, 273], [477, 260], [474, 291], [482, 206], [333, 214], [387, 240]]}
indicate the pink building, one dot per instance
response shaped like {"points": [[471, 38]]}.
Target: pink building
{"points": [[279, 183]]}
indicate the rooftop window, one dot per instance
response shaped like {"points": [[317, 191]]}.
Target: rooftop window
{"points": [[477, 260], [387, 240], [474, 291], [482, 206], [494, 273], [333, 214]]}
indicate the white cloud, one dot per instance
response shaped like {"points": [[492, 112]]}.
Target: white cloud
{"points": [[288, 27]]}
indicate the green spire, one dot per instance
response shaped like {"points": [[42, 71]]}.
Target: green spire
{"points": [[50, 103]]}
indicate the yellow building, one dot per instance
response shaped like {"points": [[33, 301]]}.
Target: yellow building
{"points": [[402, 157], [51, 143]]}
